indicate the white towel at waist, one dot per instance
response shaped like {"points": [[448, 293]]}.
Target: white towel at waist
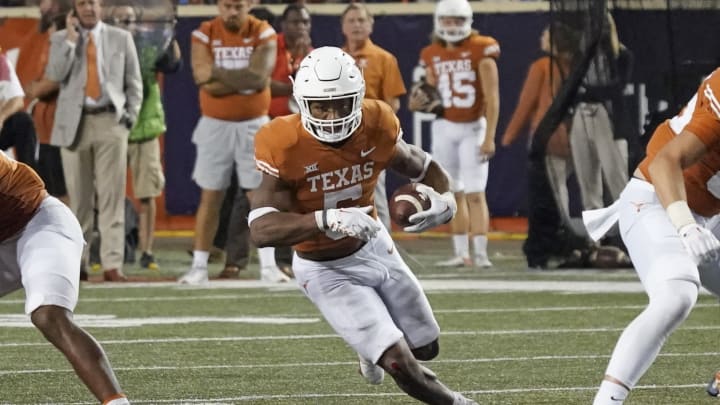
{"points": [[598, 222]]}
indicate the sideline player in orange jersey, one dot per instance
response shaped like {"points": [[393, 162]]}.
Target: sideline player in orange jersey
{"points": [[668, 215], [383, 80], [233, 56], [461, 64], [319, 169], [41, 245]]}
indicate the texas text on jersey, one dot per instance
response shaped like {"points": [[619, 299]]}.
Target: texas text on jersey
{"points": [[325, 176], [454, 71]]}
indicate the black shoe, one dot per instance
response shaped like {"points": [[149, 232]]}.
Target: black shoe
{"points": [[712, 387], [83, 273], [147, 261]]}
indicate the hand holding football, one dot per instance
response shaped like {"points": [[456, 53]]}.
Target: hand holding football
{"points": [[405, 202], [426, 98]]}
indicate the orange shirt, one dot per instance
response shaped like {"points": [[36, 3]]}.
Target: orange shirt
{"points": [[455, 73], [319, 173], [380, 69], [538, 92], [13, 31], [21, 192], [701, 117], [31, 63], [232, 51], [286, 65]]}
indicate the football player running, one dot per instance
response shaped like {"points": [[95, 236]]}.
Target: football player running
{"points": [[41, 245], [319, 170], [460, 63], [668, 217]]}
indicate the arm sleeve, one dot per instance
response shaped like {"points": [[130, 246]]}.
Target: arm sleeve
{"points": [[264, 159], [133, 79], [61, 58], [266, 34]]}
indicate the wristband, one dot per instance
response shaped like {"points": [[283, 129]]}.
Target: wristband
{"points": [[319, 219], [680, 214]]}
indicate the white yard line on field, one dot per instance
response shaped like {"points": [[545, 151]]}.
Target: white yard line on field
{"points": [[244, 398], [347, 363], [509, 332], [429, 285], [174, 298]]}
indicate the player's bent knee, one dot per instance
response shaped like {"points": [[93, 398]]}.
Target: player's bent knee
{"points": [[50, 319], [682, 300], [427, 352], [671, 304]]}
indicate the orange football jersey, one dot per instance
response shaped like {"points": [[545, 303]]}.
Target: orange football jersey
{"points": [[701, 117], [232, 50], [455, 74], [21, 192], [322, 176]]}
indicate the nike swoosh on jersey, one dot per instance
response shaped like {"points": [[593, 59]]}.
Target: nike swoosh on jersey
{"points": [[364, 153]]}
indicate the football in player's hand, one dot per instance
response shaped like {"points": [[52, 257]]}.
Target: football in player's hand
{"points": [[426, 98], [405, 202]]}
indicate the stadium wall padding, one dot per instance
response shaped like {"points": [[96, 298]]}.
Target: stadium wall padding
{"points": [[643, 32]]}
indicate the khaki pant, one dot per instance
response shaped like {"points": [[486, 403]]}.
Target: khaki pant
{"points": [[596, 156], [95, 174]]}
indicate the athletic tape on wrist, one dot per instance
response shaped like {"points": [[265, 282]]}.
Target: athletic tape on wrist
{"points": [[680, 214]]}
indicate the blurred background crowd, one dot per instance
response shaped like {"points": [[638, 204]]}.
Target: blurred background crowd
{"points": [[580, 83]]}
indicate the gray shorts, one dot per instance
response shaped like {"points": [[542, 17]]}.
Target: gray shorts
{"points": [[222, 144], [370, 298]]}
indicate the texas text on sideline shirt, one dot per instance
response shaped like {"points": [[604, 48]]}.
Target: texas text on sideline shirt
{"points": [[232, 50], [455, 74]]}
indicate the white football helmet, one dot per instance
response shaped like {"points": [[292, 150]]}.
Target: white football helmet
{"points": [[453, 8], [328, 73]]}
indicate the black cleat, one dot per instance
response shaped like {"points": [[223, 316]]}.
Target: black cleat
{"points": [[147, 261]]}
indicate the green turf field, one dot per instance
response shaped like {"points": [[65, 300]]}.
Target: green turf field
{"points": [[509, 337]]}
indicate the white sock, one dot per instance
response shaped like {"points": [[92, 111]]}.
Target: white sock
{"points": [[461, 244], [480, 245], [200, 259], [610, 393], [118, 401], [266, 256]]}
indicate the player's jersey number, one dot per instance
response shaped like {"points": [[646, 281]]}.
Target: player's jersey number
{"points": [[457, 89]]}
